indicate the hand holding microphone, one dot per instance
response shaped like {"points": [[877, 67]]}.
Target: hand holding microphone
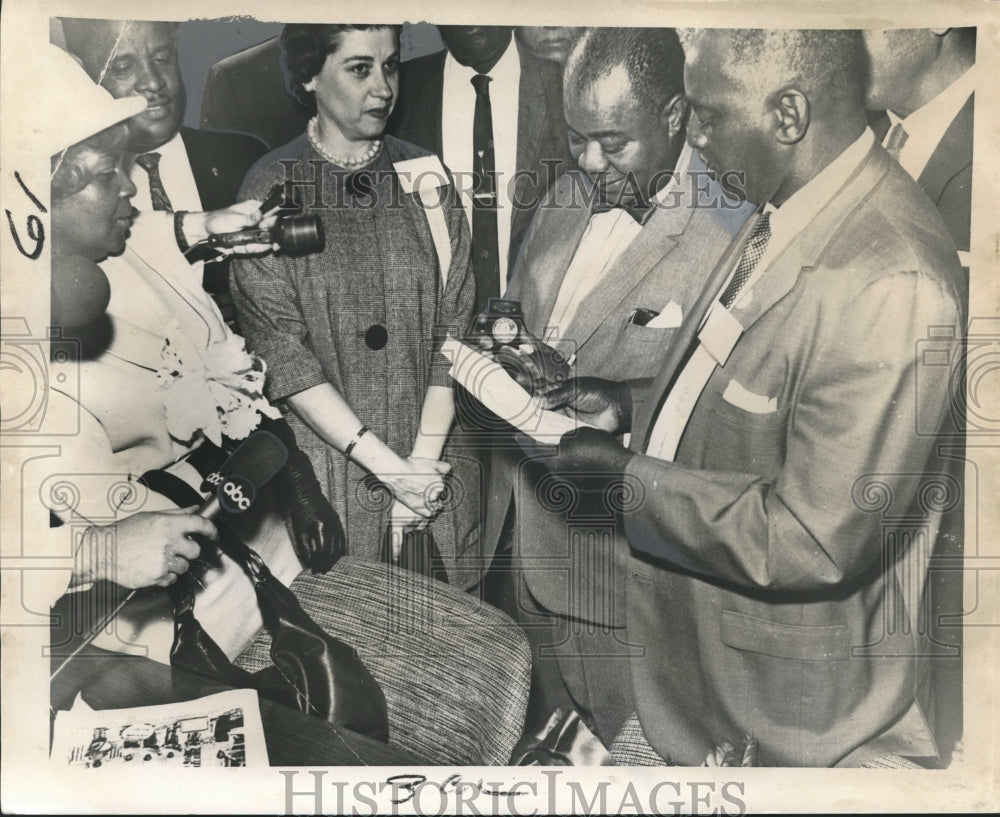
{"points": [[274, 224], [149, 549], [133, 562]]}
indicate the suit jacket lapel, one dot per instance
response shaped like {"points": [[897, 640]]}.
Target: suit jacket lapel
{"points": [[531, 118], [429, 91], [654, 242], [781, 275], [561, 231], [952, 155], [687, 333], [200, 163]]}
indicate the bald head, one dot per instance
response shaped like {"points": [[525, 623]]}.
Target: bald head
{"points": [[134, 58]]}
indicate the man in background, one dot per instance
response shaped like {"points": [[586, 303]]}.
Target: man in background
{"points": [[549, 42], [924, 80], [505, 137], [177, 169]]}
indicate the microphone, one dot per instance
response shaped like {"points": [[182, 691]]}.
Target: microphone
{"points": [[294, 234], [248, 469], [80, 291]]}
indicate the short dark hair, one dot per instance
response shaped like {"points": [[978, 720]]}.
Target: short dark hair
{"points": [[68, 174], [652, 57], [304, 49]]}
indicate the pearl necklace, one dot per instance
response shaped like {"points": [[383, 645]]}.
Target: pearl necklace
{"points": [[313, 132]]}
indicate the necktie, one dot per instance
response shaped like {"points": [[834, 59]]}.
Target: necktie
{"points": [[150, 162], [485, 244], [896, 139], [752, 253]]}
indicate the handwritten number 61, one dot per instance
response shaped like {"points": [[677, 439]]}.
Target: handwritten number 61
{"points": [[35, 229]]}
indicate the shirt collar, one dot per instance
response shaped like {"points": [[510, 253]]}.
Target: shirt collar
{"points": [[508, 67], [681, 168], [938, 113], [172, 150], [808, 201]]}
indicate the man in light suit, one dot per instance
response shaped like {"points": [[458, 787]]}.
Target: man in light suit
{"points": [[789, 430], [614, 258], [924, 80]]}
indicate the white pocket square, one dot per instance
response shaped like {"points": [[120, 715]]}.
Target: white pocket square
{"points": [[741, 397], [670, 317]]}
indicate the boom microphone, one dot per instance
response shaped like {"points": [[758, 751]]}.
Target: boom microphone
{"points": [[248, 469]]}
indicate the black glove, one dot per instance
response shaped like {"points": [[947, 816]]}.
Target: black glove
{"points": [[604, 403], [317, 533], [590, 452]]}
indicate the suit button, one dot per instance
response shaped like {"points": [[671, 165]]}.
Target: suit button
{"points": [[376, 337]]}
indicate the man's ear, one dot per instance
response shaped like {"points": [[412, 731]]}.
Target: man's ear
{"points": [[309, 86], [791, 111], [674, 114]]}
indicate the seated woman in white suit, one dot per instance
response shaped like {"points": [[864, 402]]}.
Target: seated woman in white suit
{"points": [[159, 378]]}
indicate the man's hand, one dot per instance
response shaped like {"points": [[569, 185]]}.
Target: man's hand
{"points": [[590, 452], [606, 404], [146, 549], [317, 532]]}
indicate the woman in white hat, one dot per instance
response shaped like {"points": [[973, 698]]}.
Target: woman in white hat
{"points": [[156, 378]]}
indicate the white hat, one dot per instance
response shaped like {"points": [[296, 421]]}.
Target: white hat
{"points": [[72, 106]]}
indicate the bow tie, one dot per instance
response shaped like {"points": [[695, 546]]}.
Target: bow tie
{"points": [[640, 211]]}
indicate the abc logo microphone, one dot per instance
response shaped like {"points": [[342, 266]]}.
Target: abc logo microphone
{"points": [[248, 469]]}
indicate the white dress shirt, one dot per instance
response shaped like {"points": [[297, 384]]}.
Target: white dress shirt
{"points": [[926, 126], [721, 328], [457, 115], [176, 175], [604, 240]]}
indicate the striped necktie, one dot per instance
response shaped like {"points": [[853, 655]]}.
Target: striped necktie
{"points": [[150, 162], [752, 253]]}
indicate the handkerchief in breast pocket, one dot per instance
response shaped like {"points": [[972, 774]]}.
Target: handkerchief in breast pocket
{"points": [[670, 317], [738, 395]]}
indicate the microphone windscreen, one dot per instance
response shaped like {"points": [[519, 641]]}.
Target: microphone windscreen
{"points": [[248, 469], [80, 291]]}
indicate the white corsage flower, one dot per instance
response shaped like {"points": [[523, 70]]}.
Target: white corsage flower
{"points": [[215, 393]]}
